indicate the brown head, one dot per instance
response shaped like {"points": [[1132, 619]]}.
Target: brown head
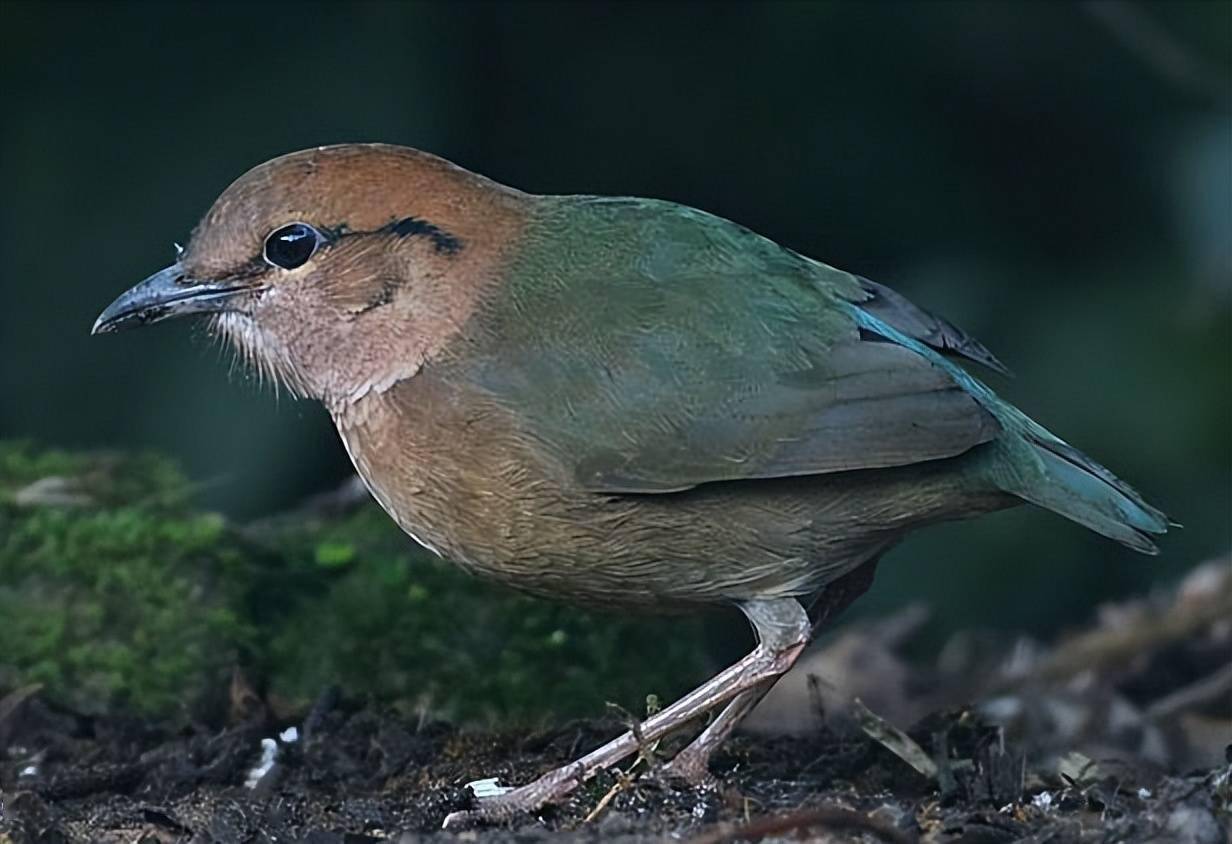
{"points": [[338, 270]]}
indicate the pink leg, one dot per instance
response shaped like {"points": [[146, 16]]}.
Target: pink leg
{"points": [[692, 764], [782, 628]]}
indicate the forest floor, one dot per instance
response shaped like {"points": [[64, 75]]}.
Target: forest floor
{"points": [[358, 776], [1120, 733]]}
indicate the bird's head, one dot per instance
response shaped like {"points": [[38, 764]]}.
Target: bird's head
{"points": [[338, 270]]}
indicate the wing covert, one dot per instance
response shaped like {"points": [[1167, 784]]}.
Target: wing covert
{"points": [[654, 348]]}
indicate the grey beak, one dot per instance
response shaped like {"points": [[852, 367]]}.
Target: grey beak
{"points": [[168, 293]]}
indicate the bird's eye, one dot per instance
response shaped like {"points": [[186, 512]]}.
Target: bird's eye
{"points": [[291, 246]]}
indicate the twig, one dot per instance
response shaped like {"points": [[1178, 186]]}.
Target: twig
{"points": [[894, 739], [833, 818], [346, 498], [1107, 648], [645, 754], [322, 706], [10, 704], [1195, 694], [623, 781]]}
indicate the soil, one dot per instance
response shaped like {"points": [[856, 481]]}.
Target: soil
{"points": [[353, 773], [1120, 732]]}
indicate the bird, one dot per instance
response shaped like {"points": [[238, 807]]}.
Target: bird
{"points": [[615, 401]]}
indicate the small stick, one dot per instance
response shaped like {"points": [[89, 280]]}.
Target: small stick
{"points": [[623, 781], [834, 818], [646, 753], [894, 739], [1195, 694], [1102, 649]]}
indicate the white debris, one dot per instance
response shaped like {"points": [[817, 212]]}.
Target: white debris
{"points": [[28, 771], [269, 752], [289, 736], [1003, 710], [1144, 794], [487, 788], [1042, 801], [52, 491]]}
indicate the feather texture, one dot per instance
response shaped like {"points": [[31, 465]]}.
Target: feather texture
{"points": [[654, 348]]}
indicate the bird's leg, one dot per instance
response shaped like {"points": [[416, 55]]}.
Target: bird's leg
{"points": [[782, 628], [692, 764]]}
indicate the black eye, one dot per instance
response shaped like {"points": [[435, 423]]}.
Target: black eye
{"points": [[290, 246]]}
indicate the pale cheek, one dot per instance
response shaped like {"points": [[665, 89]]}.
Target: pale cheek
{"points": [[300, 333], [262, 347]]}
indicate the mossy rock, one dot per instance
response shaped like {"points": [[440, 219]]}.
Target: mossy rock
{"points": [[116, 593]]}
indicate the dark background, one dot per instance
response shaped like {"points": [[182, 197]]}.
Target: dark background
{"points": [[1056, 178]]}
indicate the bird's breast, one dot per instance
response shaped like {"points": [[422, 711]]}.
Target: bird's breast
{"points": [[454, 471]]}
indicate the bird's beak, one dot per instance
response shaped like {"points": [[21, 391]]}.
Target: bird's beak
{"points": [[168, 293]]}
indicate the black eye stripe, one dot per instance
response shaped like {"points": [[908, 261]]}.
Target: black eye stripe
{"points": [[291, 245]]}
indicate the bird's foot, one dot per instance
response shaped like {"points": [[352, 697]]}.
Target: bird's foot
{"points": [[552, 787], [691, 767], [783, 630]]}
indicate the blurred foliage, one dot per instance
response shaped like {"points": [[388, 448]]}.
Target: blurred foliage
{"points": [[109, 593], [1054, 177], [372, 615], [113, 592]]}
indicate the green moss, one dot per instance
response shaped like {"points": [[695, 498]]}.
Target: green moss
{"points": [[141, 480], [114, 591], [401, 625], [333, 555], [104, 601]]}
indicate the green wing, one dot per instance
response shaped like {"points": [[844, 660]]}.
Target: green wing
{"points": [[653, 348]]}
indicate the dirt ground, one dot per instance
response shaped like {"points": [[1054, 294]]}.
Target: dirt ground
{"points": [[356, 775], [1123, 732]]}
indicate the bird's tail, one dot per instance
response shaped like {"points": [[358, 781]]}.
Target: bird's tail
{"points": [[1047, 471], [1030, 462]]}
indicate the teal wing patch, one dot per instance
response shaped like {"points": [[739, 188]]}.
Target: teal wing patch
{"points": [[653, 348]]}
